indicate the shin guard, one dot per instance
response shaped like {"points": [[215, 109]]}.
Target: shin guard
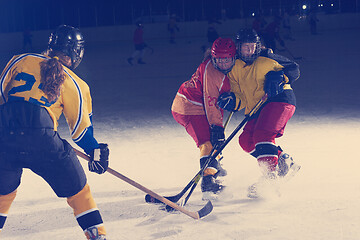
{"points": [[205, 150], [267, 155], [85, 210]]}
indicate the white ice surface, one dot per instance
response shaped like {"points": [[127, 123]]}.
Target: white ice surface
{"points": [[132, 114]]}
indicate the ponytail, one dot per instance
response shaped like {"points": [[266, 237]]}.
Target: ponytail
{"points": [[52, 77]]}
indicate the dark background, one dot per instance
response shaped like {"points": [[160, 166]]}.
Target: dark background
{"points": [[19, 15]]}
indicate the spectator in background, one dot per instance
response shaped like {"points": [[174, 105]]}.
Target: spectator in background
{"points": [[313, 22], [173, 28], [259, 24], [287, 26], [27, 40], [139, 44], [211, 34], [272, 34]]}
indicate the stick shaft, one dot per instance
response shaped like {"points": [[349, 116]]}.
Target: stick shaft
{"points": [[194, 215]]}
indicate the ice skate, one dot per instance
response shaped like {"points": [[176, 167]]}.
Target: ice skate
{"points": [[93, 234], [286, 167], [221, 171], [210, 187]]}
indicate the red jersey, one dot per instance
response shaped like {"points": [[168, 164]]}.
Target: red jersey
{"points": [[198, 96], [138, 36]]}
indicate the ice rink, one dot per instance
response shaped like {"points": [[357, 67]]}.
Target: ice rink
{"points": [[132, 114]]}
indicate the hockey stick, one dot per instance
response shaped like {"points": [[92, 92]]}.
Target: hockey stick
{"points": [[228, 119], [196, 215], [214, 153], [225, 126], [217, 149], [175, 198]]}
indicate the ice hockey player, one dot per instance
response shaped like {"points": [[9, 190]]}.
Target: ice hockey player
{"points": [[252, 77], [194, 107], [35, 90], [139, 44]]}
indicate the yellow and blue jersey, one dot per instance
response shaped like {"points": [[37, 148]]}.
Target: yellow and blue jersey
{"points": [[21, 81]]}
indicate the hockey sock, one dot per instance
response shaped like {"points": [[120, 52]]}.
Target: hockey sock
{"points": [[205, 150], [5, 203], [85, 210], [268, 163], [267, 155], [212, 167]]}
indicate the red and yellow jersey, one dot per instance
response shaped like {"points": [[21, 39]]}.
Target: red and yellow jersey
{"points": [[247, 81], [20, 81], [198, 96]]}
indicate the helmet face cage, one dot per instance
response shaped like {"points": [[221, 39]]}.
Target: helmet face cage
{"points": [[252, 58], [248, 36], [223, 53], [224, 65], [77, 53], [69, 41]]}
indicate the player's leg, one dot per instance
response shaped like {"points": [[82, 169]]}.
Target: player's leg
{"points": [[87, 214], [246, 140], [270, 125], [64, 173], [9, 182], [198, 128]]}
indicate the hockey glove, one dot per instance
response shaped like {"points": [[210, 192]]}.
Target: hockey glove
{"points": [[227, 101], [274, 83], [99, 159], [217, 136]]}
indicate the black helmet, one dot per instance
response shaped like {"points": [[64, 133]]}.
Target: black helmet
{"points": [[139, 24], [70, 41], [247, 35]]}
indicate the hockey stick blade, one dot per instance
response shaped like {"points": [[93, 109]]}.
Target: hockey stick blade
{"points": [[195, 215], [151, 199], [202, 212], [178, 196]]}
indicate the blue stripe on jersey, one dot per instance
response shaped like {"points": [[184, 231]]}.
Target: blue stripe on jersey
{"points": [[87, 141], [2, 80], [77, 124]]}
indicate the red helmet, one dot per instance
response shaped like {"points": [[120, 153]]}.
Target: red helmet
{"points": [[223, 48]]}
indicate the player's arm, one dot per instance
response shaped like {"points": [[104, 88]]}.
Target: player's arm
{"points": [[291, 69], [78, 113], [212, 81]]}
